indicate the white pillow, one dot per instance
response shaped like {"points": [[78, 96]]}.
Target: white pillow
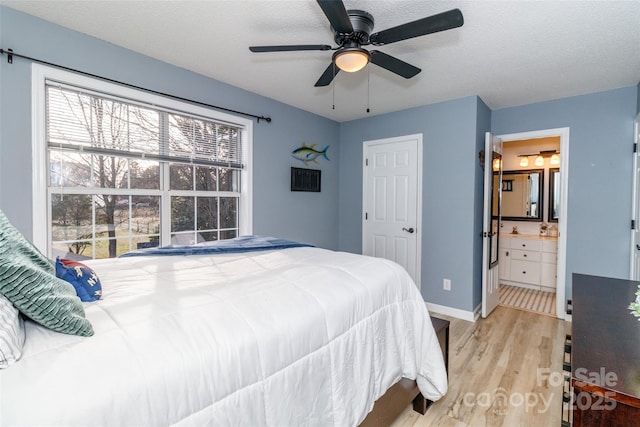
{"points": [[11, 333]]}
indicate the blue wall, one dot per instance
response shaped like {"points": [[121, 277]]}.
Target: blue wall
{"points": [[600, 173], [450, 170], [307, 217]]}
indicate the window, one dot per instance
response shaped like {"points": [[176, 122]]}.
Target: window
{"points": [[126, 169]]}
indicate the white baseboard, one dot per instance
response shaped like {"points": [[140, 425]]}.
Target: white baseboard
{"points": [[469, 316]]}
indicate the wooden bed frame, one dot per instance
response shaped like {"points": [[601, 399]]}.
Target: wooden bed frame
{"points": [[400, 395], [393, 402]]}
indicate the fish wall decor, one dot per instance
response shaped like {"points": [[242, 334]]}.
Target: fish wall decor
{"points": [[309, 153]]}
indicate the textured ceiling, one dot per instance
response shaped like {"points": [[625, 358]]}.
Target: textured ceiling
{"points": [[508, 52]]}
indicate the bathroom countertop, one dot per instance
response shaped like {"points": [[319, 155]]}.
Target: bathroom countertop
{"points": [[528, 236]]}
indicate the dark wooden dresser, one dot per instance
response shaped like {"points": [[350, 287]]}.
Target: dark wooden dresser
{"points": [[605, 356]]}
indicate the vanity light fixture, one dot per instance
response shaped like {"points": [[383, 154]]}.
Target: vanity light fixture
{"points": [[496, 164], [539, 162]]}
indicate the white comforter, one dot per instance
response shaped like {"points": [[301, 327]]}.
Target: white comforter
{"points": [[294, 337]]}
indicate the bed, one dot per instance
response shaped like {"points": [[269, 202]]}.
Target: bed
{"points": [[286, 336]]}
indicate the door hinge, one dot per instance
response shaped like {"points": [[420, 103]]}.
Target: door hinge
{"points": [[366, 162], [635, 147], [366, 215], [633, 224]]}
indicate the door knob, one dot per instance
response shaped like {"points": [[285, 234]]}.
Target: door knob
{"points": [[638, 247], [408, 230]]}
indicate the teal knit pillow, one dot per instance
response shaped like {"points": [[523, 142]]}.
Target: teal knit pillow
{"points": [[28, 279]]}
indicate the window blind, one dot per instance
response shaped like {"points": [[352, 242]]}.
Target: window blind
{"points": [[95, 123]]}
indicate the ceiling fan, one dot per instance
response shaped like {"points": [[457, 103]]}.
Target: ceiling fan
{"points": [[352, 29]]}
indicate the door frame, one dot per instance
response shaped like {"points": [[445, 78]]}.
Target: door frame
{"points": [[635, 253], [418, 226], [561, 272]]}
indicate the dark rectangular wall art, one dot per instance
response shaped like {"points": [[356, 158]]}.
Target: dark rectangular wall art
{"points": [[305, 179]]}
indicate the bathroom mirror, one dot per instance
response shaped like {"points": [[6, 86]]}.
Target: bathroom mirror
{"points": [[521, 194], [554, 194]]}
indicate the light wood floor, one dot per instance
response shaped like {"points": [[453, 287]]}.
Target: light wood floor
{"points": [[494, 377]]}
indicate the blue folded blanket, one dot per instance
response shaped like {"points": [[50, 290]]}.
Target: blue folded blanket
{"points": [[239, 244]]}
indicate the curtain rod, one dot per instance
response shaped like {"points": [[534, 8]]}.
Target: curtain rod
{"points": [[10, 54]]}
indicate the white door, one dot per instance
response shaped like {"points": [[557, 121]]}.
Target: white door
{"points": [[491, 226], [635, 215], [392, 201]]}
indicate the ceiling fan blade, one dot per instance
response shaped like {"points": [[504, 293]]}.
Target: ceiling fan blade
{"points": [[287, 48], [328, 75], [393, 64], [337, 15], [431, 24]]}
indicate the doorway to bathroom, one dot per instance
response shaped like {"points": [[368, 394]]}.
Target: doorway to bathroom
{"points": [[533, 229]]}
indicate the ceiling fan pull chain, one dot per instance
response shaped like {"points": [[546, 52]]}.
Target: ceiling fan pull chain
{"points": [[368, 86], [333, 87]]}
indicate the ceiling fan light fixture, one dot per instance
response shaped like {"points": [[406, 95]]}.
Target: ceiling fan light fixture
{"points": [[351, 59]]}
